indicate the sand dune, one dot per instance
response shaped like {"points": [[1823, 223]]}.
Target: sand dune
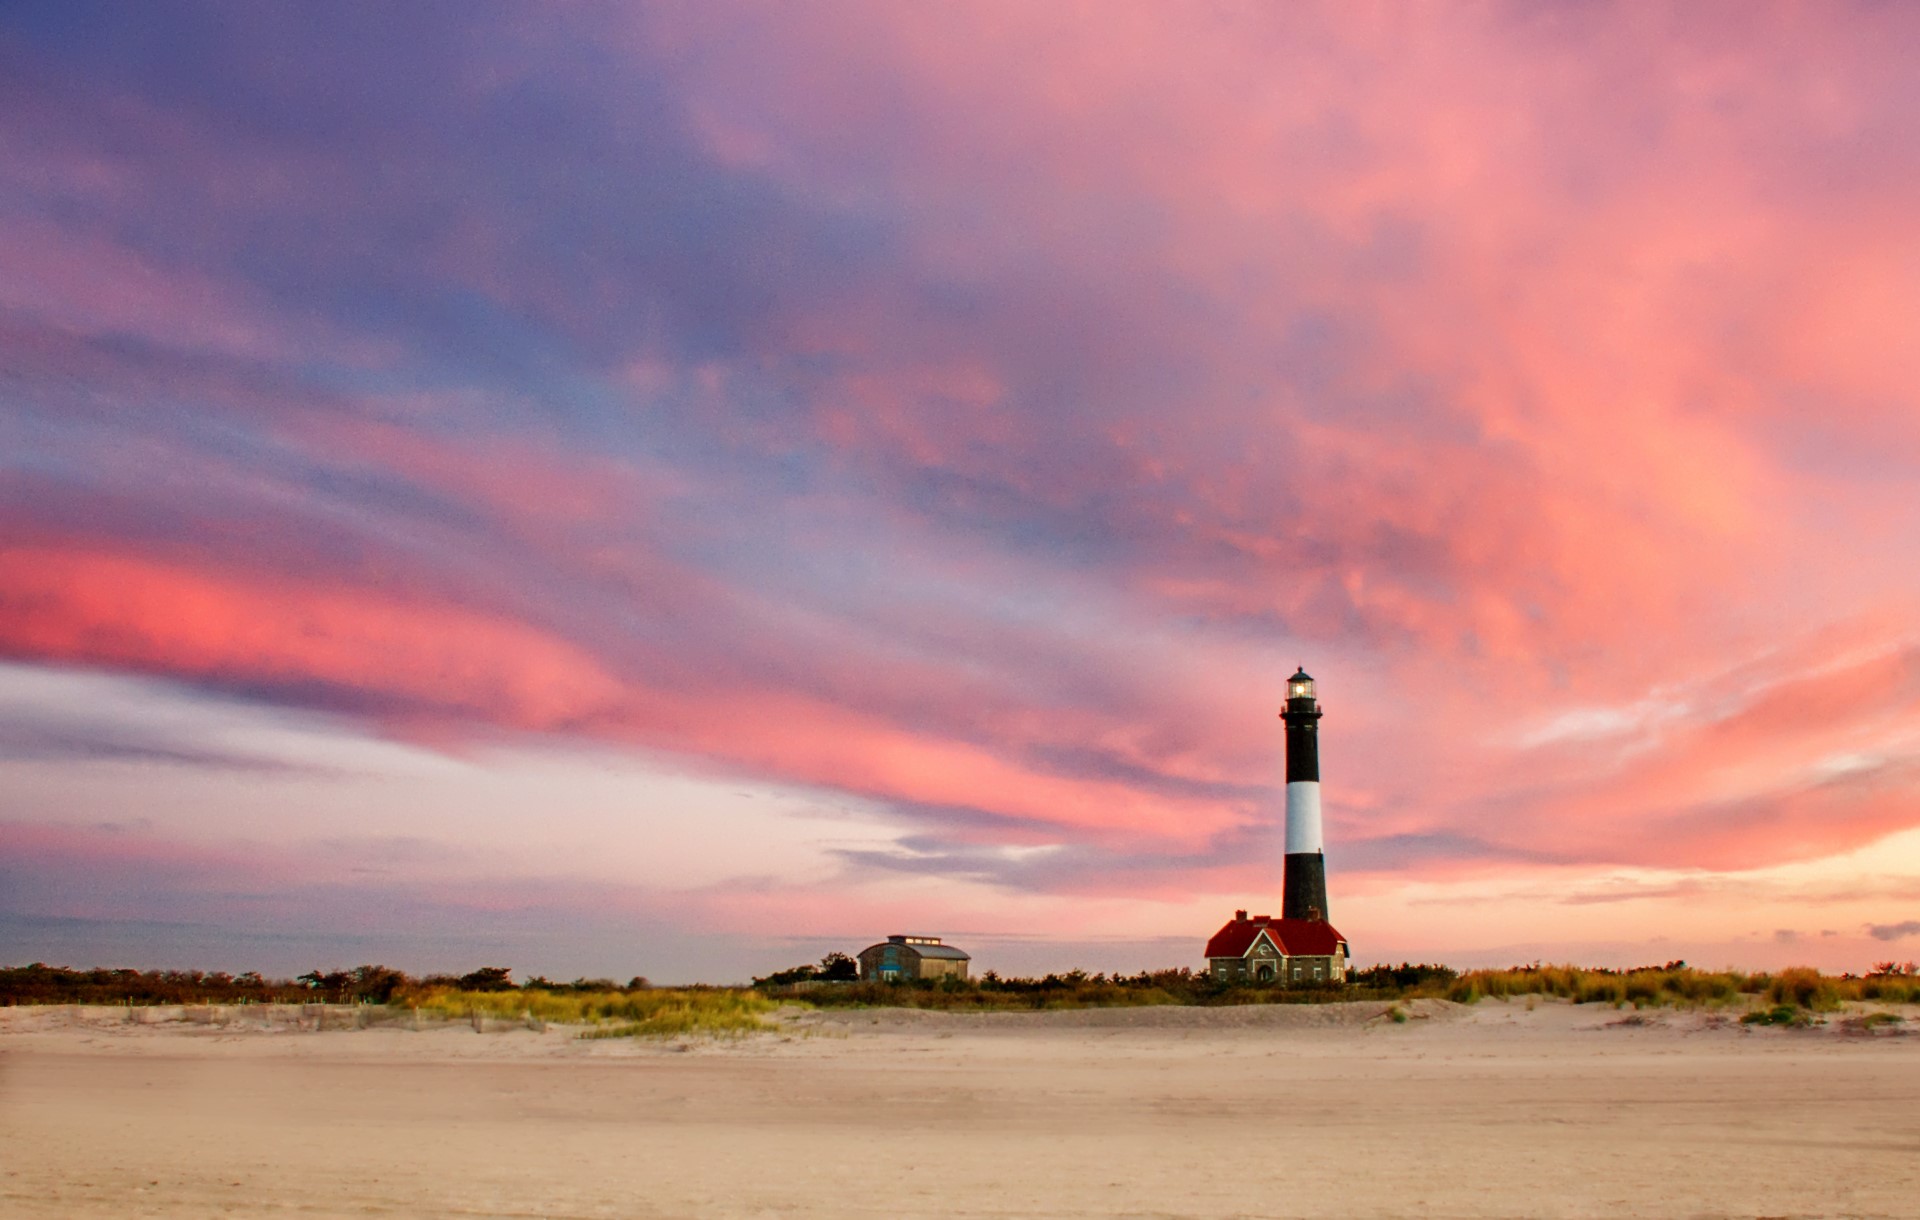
{"points": [[1501, 1109]]}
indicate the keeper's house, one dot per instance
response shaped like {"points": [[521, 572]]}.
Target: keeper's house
{"points": [[912, 957], [1262, 949]]}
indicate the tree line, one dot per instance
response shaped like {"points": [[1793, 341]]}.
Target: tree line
{"points": [[40, 983], [834, 981]]}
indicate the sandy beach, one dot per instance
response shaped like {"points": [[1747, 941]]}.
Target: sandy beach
{"points": [[1501, 1109]]}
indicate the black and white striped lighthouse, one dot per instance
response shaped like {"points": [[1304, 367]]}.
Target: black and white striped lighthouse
{"points": [[1304, 895]]}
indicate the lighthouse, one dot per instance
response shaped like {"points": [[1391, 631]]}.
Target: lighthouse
{"points": [[1299, 949], [1304, 892]]}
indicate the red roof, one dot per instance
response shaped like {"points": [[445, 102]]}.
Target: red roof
{"points": [[1294, 937]]}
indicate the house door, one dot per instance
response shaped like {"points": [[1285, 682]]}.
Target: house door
{"points": [[1264, 972]]}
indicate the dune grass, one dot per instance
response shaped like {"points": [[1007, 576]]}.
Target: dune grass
{"points": [[1674, 985], [651, 1013], [638, 1010], [1677, 985]]}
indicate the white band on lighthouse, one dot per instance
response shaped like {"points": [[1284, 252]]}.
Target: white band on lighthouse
{"points": [[1303, 817]]}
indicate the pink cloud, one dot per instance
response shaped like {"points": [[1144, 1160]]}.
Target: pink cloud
{"points": [[131, 613]]}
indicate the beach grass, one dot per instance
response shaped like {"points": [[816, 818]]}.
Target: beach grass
{"points": [[1673, 985], [651, 1012], [638, 1009], [1677, 985]]}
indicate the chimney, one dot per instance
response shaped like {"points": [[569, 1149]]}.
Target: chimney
{"points": [[1239, 917]]}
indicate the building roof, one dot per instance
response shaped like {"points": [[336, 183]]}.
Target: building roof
{"points": [[1294, 937], [944, 952]]}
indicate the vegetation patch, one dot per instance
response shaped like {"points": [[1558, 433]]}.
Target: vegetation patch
{"points": [[1801, 987], [1075, 989], [710, 1014], [489, 993], [1785, 1015], [1874, 1022], [646, 1012], [833, 968]]}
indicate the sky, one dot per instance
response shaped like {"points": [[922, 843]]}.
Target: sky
{"points": [[674, 489]]}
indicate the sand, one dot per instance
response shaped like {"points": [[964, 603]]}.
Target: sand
{"points": [[1496, 1110]]}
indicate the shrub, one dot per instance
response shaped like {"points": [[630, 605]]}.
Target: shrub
{"points": [[1802, 987], [1780, 1014], [833, 968], [1402, 977], [488, 978]]}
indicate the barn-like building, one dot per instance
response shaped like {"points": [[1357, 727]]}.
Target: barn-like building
{"points": [[912, 957], [1292, 952]]}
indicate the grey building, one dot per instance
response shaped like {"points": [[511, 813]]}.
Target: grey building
{"points": [[912, 957]]}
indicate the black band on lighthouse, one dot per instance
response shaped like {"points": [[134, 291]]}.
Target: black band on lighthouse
{"points": [[1303, 747], [1305, 892]]}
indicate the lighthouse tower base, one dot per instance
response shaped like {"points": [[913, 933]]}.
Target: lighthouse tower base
{"points": [[1304, 895]]}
